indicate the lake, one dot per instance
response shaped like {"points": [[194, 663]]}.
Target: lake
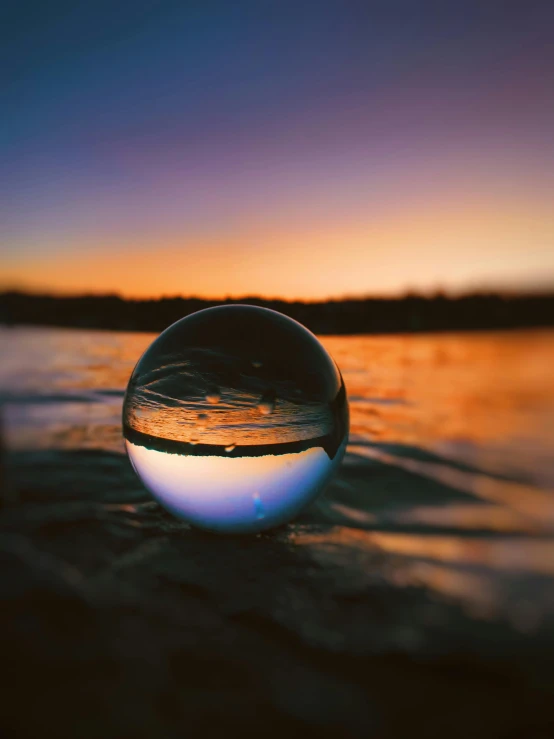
{"points": [[449, 471]]}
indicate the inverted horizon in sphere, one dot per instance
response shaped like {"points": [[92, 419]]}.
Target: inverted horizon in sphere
{"points": [[235, 418]]}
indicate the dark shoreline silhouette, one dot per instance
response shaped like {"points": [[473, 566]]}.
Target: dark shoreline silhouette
{"points": [[170, 446], [411, 313]]}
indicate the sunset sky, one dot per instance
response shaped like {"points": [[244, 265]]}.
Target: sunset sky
{"points": [[304, 149]]}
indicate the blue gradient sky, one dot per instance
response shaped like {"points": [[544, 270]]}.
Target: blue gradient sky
{"points": [[285, 149]]}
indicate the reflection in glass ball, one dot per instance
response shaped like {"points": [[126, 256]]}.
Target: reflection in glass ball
{"points": [[235, 418]]}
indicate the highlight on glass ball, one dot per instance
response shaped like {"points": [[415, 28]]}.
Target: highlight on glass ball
{"points": [[235, 418]]}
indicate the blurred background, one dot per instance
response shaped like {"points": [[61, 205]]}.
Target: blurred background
{"points": [[381, 172]]}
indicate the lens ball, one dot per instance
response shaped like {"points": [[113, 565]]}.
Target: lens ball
{"points": [[235, 418]]}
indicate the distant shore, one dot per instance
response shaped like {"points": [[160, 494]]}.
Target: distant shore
{"points": [[411, 313]]}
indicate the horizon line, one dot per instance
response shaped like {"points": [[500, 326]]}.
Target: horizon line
{"points": [[430, 294]]}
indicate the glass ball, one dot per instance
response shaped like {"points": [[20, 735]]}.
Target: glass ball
{"points": [[235, 418]]}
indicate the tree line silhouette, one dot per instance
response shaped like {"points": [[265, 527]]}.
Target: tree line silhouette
{"points": [[410, 313]]}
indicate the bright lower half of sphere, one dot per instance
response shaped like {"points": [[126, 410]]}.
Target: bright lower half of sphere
{"points": [[235, 418], [239, 494]]}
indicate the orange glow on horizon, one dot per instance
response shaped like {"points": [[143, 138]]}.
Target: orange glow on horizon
{"points": [[451, 244]]}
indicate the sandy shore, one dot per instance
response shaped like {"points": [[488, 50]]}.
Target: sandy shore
{"points": [[118, 621]]}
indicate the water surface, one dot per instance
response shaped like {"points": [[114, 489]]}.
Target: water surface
{"points": [[449, 472]]}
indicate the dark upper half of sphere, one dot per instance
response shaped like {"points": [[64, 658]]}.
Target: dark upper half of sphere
{"points": [[238, 376], [244, 345]]}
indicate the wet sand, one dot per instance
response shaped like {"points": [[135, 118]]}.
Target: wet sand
{"points": [[117, 620]]}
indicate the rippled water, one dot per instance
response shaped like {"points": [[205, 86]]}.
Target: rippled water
{"points": [[449, 469]]}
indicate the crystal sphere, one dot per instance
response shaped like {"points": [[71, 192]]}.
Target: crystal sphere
{"points": [[235, 418]]}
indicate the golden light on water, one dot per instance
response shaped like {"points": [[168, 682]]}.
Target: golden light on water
{"points": [[469, 410]]}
